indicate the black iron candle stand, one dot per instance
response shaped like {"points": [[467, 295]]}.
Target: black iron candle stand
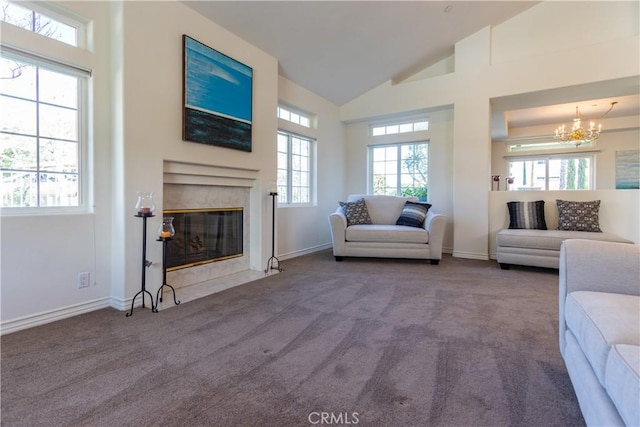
{"points": [[270, 262], [164, 241], [145, 263]]}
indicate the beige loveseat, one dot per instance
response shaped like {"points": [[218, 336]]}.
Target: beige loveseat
{"points": [[383, 238], [599, 313], [527, 241], [541, 248]]}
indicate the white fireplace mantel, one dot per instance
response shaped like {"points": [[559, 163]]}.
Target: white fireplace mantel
{"points": [[175, 172]]}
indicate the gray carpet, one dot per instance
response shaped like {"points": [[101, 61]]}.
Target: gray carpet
{"points": [[365, 341]]}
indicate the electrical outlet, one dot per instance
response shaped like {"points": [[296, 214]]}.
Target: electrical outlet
{"points": [[83, 280]]}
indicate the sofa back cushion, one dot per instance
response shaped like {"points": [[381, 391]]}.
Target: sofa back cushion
{"points": [[383, 209]]}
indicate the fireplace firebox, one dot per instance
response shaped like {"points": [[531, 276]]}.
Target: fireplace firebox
{"points": [[203, 236]]}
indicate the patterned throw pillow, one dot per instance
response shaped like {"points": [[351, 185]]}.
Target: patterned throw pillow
{"points": [[527, 215], [413, 214], [578, 216], [356, 212]]}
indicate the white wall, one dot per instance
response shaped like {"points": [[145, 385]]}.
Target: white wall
{"points": [[152, 132], [502, 62], [42, 254], [439, 135], [137, 93], [136, 88], [304, 229]]}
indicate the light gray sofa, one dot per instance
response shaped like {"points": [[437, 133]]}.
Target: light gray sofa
{"points": [[383, 238], [599, 319], [540, 248]]}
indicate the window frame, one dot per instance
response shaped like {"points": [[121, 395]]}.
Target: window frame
{"points": [[56, 14], [398, 145], [83, 105], [374, 129], [311, 174], [308, 118], [557, 156]]}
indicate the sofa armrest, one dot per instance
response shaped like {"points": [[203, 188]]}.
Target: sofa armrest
{"points": [[338, 223], [435, 224], [589, 265]]}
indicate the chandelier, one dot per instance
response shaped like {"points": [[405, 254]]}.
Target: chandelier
{"points": [[579, 135]]}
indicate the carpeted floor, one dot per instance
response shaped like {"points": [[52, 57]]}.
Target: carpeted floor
{"points": [[366, 341]]}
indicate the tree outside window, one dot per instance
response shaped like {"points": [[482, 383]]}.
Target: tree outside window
{"points": [[558, 172]]}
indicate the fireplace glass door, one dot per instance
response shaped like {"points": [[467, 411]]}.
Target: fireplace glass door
{"points": [[203, 236]]}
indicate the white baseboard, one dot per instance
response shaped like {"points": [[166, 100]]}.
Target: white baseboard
{"points": [[471, 255], [124, 304], [307, 251], [13, 325]]}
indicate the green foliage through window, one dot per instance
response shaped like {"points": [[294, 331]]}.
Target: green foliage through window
{"points": [[400, 169]]}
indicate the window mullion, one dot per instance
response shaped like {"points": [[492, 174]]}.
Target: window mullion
{"points": [[399, 170], [546, 175], [289, 169], [38, 165]]}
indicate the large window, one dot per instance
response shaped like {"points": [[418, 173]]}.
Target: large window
{"points": [[400, 169], [42, 125], [40, 144], [295, 161], [556, 172]]}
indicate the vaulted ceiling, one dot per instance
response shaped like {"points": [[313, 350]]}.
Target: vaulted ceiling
{"points": [[342, 49]]}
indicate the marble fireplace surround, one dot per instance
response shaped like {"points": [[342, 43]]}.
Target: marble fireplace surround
{"points": [[199, 186]]}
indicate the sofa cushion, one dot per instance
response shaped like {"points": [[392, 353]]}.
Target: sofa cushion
{"points": [[386, 233], [528, 215], [599, 320], [413, 214], [383, 209], [578, 216], [549, 239], [622, 381], [356, 212]]}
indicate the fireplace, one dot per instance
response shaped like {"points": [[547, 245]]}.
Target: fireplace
{"points": [[203, 236], [191, 186]]}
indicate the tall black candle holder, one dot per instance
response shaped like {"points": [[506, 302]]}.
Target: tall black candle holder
{"points": [[145, 263], [165, 241], [270, 262]]}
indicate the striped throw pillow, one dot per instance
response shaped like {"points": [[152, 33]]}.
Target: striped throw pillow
{"points": [[413, 214], [527, 215]]}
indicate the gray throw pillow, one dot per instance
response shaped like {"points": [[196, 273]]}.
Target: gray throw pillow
{"points": [[527, 215], [578, 216], [356, 212]]}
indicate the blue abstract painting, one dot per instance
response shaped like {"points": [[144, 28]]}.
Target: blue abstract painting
{"points": [[217, 97], [627, 170]]}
